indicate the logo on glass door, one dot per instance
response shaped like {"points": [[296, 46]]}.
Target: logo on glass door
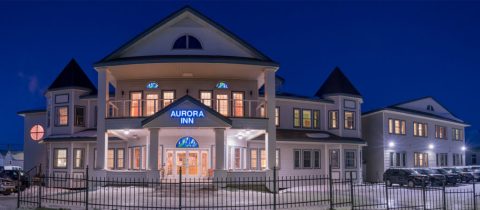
{"points": [[187, 142]]}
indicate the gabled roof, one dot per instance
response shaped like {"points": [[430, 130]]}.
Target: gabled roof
{"points": [[72, 76], [337, 83], [171, 106], [187, 9], [399, 107]]}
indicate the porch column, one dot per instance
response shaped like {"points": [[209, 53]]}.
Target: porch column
{"points": [[220, 152], [102, 137], [271, 135], [153, 149]]}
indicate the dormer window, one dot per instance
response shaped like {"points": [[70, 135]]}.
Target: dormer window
{"points": [[430, 108], [187, 42]]}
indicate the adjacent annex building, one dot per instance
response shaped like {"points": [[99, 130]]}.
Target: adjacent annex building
{"points": [[191, 97], [416, 133]]}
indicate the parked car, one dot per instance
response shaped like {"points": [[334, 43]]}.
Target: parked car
{"points": [[435, 178], [464, 176], [474, 173], [7, 186], [450, 178], [14, 175], [404, 176]]}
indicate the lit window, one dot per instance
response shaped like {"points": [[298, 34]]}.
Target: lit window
{"points": [[168, 96], [307, 118], [80, 116], [187, 42], [222, 104], [421, 159], [263, 159], [238, 107], [60, 158], [37, 132], [440, 132], [396, 126], [277, 116], [333, 119], [78, 155], [137, 157], [420, 129], [152, 104], [206, 98], [111, 159], [120, 158], [135, 104], [316, 119], [253, 159], [237, 155], [62, 116], [222, 85], [349, 120], [296, 118]]}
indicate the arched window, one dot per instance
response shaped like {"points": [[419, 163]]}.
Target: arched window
{"points": [[187, 42], [37, 132]]}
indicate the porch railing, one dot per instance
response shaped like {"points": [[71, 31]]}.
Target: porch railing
{"points": [[148, 107]]}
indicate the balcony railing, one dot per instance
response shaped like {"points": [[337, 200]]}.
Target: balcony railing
{"points": [[148, 107]]}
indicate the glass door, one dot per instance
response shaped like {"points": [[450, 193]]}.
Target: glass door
{"points": [[192, 163], [180, 161]]}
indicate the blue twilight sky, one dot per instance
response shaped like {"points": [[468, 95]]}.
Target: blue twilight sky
{"points": [[391, 51]]}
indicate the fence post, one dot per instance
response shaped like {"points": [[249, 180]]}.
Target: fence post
{"points": [[474, 196], [274, 188], [444, 197], [18, 190], [351, 189], [40, 192], [330, 179], [86, 188], [386, 195], [180, 189], [424, 197]]}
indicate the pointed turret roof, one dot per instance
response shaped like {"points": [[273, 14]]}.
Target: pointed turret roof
{"points": [[337, 83], [72, 76]]}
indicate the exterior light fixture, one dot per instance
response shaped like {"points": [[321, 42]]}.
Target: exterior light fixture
{"points": [[391, 144], [430, 146], [464, 148], [126, 131]]}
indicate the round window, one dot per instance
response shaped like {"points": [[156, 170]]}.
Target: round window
{"points": [[37, 132]]}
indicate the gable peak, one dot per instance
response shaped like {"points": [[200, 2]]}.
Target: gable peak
{"points": [[337, 83]]}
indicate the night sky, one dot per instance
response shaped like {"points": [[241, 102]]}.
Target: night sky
{"points": [[391, 51]]}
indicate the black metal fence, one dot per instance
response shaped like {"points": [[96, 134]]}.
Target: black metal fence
{"points": [[268, 192]]}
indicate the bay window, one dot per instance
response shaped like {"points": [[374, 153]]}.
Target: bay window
{"points": [[306, 159], [78, 158], [79, 116], [350, 160], [296, 117], [307, 118], [333, 119], [349, 118], [61, 118]]}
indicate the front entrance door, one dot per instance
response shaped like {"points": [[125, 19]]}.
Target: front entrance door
{"points": [[192, 163]]}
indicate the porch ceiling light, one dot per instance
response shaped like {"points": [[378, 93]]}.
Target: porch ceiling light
{"points": [[126, 131], [430, 146]]}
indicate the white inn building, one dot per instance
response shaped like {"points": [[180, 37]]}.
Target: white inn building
{"points": [[416, 133], [188, 95]]}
